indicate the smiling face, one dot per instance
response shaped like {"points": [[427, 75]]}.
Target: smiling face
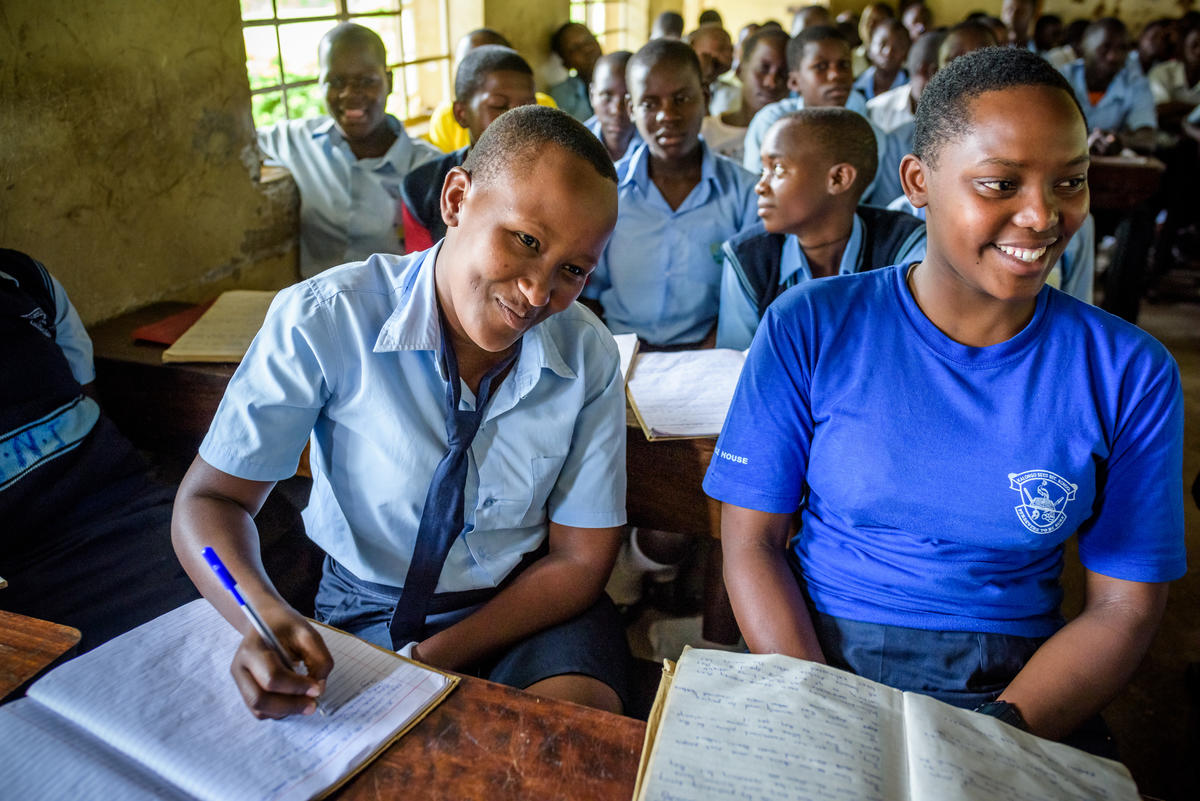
{"points": [[1003, 198], [519, 248], [792, 188], [764, 74], [667, 103], [500, 91], [357, 84], [825, 75]]}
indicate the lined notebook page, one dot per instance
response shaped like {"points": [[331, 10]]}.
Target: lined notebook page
{"points": [[740, 726], [162, 694], [684, 393], [225, 331], [962, 756]]}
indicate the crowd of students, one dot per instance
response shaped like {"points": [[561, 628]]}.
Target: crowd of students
{"points": [[921, 423]]}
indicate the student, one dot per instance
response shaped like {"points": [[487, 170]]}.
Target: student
{"points": [[489, 81], [898, 106], [578, 49], [809, 17], [368, 358], [445, 133], [1175, 84], [1017, 16], [872, 16], [714, 48], [86, 538], [763, 78], [917, 18], [888, 52], [1154, 45], [660, 274], [611, 123], [1047, 35], [816, 164], [945, 439], [348, 166], [667, 25], [1116, 100]]}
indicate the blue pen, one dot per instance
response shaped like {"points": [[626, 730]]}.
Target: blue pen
{"points": [[259, 624]]}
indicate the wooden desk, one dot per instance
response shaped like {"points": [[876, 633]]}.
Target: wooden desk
{"points": [[1122, 182], [28, 646], [487, 741], [167, 408]]}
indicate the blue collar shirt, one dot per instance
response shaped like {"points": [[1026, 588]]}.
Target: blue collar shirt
{"points": [[592, 123], [352, 357], [769, 114], [660, 274], [348, 206], [865, 83], [571, 96], [1127, 105]]}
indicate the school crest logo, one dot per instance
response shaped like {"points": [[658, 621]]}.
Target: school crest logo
{"points": [[39, 320], [1044, 499]]}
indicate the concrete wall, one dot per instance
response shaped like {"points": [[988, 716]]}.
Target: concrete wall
{"points": [[128, 152]]}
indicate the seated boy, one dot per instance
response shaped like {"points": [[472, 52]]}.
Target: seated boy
{"points": [[86, 539], [487, 554], [611, 123], [578, 50], [348, 166], [489, 81], [815, 165], [819, 72], [660, 274], [445, 132], [888, 52]]}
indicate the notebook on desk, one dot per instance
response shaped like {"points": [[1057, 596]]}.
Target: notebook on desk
{"points": [[155, 714], [729, 726], [224, 332], [683, 394]]}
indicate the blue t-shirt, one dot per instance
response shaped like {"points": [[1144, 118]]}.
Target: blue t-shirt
{"points": [[938, 481]]}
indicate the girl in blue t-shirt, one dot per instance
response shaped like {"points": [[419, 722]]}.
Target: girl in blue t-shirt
{"points": [[943, 427]]}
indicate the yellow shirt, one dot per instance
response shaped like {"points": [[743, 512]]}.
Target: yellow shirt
{"points": [[445, 132]]}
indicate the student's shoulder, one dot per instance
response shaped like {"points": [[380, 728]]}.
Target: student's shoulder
{"points": [[580, 337], [296, 130], [360, 290], [1119, 345], [829, 298], [731, 175]]}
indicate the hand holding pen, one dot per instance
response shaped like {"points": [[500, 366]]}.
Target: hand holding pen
{"points": [[272, 684]]}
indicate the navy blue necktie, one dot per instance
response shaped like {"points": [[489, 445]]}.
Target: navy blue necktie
{"points": [[442, 519]]}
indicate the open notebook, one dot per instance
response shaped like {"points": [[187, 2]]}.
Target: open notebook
{"points": [[224, 332], [155, 714], [731, 726], [686, 393]]}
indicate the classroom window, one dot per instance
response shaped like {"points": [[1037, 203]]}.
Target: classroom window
{"points": [[281, 53], [607, 19]]}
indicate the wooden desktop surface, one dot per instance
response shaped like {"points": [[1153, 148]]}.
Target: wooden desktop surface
{"points": [[167, 408], [487, 741], [1122, 182], [28, 646]]}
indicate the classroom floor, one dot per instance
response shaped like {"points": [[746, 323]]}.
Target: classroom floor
{"points": [[1157, 720]]}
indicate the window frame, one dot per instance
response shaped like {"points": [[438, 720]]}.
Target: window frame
{"points": [[580, 11]]}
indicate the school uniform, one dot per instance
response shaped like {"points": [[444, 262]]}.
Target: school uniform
{"points": [[447, 135], [350, 361], [982, 463], [86, 535], [1168, 82], [760, 266], [1127, 104], [1075, 271], [593, 124], [660, 272], [421, 200], [892, 109], [571, 96], [348, 205], [722, 138], [865, 83]]}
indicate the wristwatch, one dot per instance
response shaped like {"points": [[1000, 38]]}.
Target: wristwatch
{"points": [[1003, 710]]}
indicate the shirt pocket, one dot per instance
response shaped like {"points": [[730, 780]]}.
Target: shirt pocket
{"points": [[519, 501]]}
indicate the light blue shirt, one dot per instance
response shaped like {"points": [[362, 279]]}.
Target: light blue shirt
{"points": [[572, 97], [348, 206], [769, 114], [1076, 268], [593, 124], [69, 334], [865, 83], [660, 274], [1128, 103], [352, 356], [739, 319]]}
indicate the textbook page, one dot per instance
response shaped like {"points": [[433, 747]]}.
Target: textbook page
{"points": [[162, 694], [684, 393], [225, 331], [739, 726], [46, 758], [956, 755]]}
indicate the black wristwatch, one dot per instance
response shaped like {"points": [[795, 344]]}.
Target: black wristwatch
{"points": [[1003, 710]]}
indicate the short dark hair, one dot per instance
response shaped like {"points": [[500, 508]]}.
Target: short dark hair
{"points": [[763, 35], [924, 51], [352, 33], [518, 136], [943, 114], [481, 62], [1103, 25], [658, 51], [556, 38], [710, 15], [817, 33], [670, 22], [844, 136]]}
